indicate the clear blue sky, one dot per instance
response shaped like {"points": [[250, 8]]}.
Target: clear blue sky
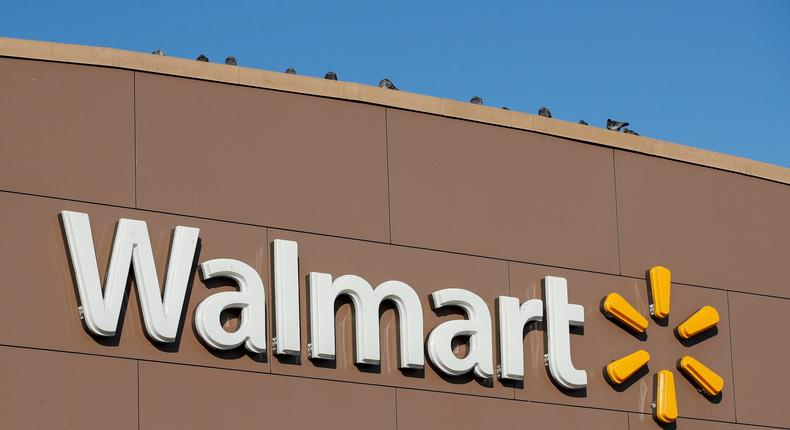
{"points": [[710, 74]]}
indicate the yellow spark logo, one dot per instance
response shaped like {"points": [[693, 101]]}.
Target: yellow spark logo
{"points": [[616, 307]]}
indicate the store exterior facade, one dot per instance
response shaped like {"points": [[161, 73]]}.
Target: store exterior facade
{"points": [[541, 243]]}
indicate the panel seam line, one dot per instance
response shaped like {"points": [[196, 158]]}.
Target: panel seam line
{"points": [[617, 214], [138, 394], [732, 359], [387, 159], [134, 123]]}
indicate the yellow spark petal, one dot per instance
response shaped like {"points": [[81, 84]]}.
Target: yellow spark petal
{"points": [[622, 368], [659, 289], [666, 403], [705, 318], [706, 379], [618, 308]]}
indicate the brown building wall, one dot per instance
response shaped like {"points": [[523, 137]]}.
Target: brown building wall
{"points": [[384, 193]]}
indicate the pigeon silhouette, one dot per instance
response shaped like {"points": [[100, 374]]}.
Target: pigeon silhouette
{"points": [[332, 76], [290, 71], [583, 122], [202, 58], [629, 131], [231, 61], [386, 83], [544, 111], [159, 52], [476, 100], [615, 125]]}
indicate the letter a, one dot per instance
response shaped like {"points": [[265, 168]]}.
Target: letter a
{"points": [[251, 299], [477, 327]]}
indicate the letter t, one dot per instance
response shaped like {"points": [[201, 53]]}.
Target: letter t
{"points": [[559, 317]]}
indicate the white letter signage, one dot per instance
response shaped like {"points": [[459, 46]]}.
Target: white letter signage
{"points": [[286, 298], [559, 317], [477, 327], [251, 299], [161, 315], [366, 301], [512, 319], [131, 246]]}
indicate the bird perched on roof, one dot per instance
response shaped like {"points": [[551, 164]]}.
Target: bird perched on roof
{"points": [[615, 125], [290, 71], [629, 131], [583, 122], [476, 100], [231, 61], [386, 83], [332, 76], [159, 52], [202, 58], [544, 111]]}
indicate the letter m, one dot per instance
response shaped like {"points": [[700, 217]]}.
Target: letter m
{"points": [[323, 293], [132, 246]]}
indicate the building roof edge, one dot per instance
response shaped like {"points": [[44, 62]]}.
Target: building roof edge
{"points": [[117, 58]]}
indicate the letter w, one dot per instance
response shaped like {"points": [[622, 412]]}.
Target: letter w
{"points": [[131, 246]]}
